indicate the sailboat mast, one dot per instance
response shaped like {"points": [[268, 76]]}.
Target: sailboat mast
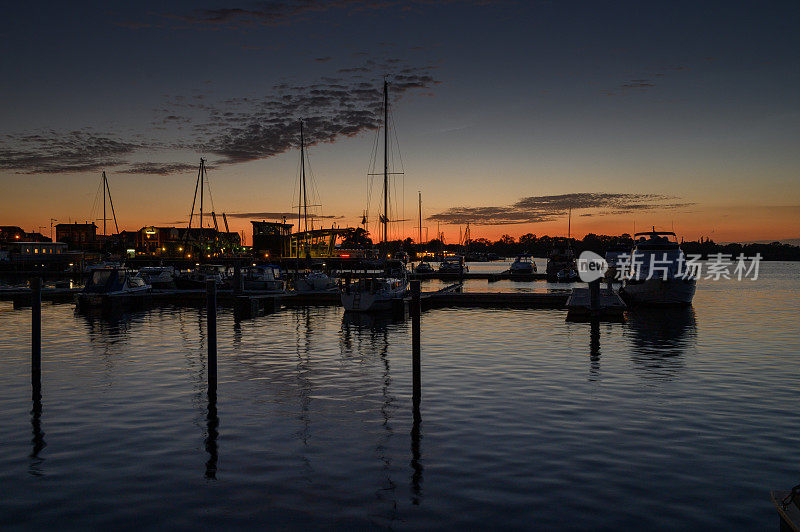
{"points": [[569, 224], [420, 217], [202, 186], [304, 192], [385, 161], [104, 205]]}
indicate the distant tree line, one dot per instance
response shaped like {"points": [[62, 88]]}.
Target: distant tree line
{"points": [[508, 246]]}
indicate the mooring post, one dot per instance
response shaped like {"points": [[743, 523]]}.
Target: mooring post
{"points": [[211, 311], [237, 279], [416, 310], [36, 335], [594, 296]]}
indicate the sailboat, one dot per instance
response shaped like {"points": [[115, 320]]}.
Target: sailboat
{"points": [[315, 280], [561, 266], [424, 266], [379, 293]]}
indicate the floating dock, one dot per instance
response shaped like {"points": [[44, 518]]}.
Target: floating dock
{"points": [[608, 306], [253, 303]]}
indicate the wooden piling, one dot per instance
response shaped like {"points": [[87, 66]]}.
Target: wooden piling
{"points": [[594, 296], [211, 311], [36, 334], [416, 308], [238, 280]]}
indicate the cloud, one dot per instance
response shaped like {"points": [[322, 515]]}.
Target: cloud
{"points": [[272, 215], [52, 152], [279, 12], [323, 59], [248, 129], [637, 84], [535, 209], [159, 168], [235, 130]]}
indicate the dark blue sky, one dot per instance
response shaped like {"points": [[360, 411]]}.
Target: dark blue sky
{"points": [[696, 103]]}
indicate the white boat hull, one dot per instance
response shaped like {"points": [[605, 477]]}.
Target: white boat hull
{"points": [[659, 292], [370, 302]]}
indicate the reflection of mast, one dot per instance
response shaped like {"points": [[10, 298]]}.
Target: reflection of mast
{"points": [[385, 161]]}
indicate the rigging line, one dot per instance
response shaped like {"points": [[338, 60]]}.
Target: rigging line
{"points": [[208, 184], [194, 200], [97, 195], [110, 201]]}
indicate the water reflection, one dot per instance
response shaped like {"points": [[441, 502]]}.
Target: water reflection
{"points": [[376, 327], [38, 434], [212, 424], [660, 337], [594, 351]]}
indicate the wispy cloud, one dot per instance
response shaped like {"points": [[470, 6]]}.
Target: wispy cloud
{"points": [[247, 129], [280, 12], [52, 152], [535, 209], [236, 130], [159, 168], [272, 215]]}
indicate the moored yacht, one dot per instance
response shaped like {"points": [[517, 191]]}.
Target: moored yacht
{"points": [[656, 273], [105, 283], [158, 276], [454, 264], [371, 294], [561, 264], [196, 279], [523, 265], [316, 281], [263, 277]]}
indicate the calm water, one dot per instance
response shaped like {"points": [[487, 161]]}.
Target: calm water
{"points": [[673, 420]]}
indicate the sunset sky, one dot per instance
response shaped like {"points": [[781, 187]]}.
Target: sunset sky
{"points": [[507, 113]]}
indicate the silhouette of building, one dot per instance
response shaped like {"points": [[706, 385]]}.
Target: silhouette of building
{"points": [[78, 236], [12, 233]]}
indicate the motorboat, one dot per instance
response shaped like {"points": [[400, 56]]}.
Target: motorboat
{"points": [[196, 279], [106, 283], [615, 256], [372, 294], [424, 267], [158, 276], [316, 281], [263, 277], [567, 275], [453, 264], [561, 265], [656, 273], [377, 293], [523, 265]]}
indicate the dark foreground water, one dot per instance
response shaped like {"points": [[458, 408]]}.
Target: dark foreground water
{"points": [[673, 420]]}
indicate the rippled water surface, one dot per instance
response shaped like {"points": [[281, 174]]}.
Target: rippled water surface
{"points": [[676, 419]]}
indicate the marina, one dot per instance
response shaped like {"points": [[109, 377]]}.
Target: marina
{"points": [[356, 265], [311, 396]]}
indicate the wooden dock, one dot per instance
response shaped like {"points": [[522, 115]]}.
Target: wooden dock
{"points": [[551, 300], [502, 276], [609, 306], [249, 304], [22, 296]]}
